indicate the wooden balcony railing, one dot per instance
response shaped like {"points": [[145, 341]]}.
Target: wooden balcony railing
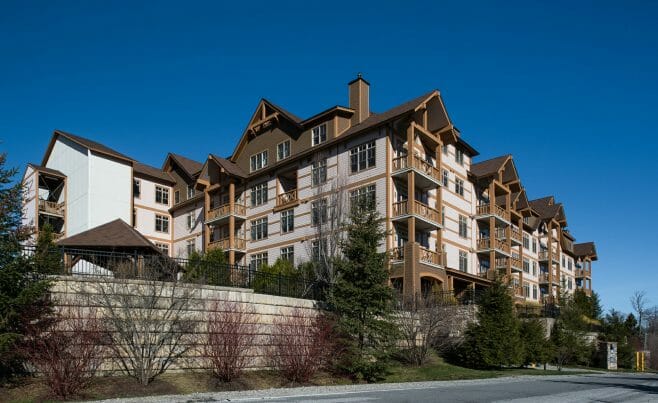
{"points": [[225, 210], [286, 198], [582, 273], [51, 207], [516, 262], [401, 208], [501, 262], [224, 244], [397, 253], [419, 165], [543, 255], [485, 244], [518, 291], [516, 235], [426, 255], [492, 209], [544, 278]]}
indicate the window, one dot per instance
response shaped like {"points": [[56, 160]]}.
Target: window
{"points": [[319, 172], [287, 220], [259, 194], [570, 264], [570, 283], [283, 150], [259, 229], [288, 253], [258, 260], [526, 241], [190, 191], [534, 268], [564, 263], [459, 156], [190, 220], [319, 134], [259, 161], [445, 177], [318, 249], [176, 197], [363, 197], [526, 265], [137, 188], [443, 216], [134, 218], [161, 223], [463, 227], [534, 292], [164, 248], [319, 212], [534, 245], [161, 195], [459, 186], [190, 247], [526, 290], [362, 157], [444, 149], [463, 261]]}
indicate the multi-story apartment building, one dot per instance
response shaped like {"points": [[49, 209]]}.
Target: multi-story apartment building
{"points": [[452, 223]]}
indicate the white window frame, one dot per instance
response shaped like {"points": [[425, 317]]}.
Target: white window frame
{"points": [[363, 157], [319, 211], [190, 243], [288, 253], [258, 161], [162, 193], [259, 194], [137, 188], [191, 220], [319, 172], [463, 261], [319, 134], [459, 186], [164, 248], [459, 156], [164, 223], [463, 224], [259, 229], [285, 149], [190, 191], [258, 260], [367, 192], [287, 221], [445, 178]]}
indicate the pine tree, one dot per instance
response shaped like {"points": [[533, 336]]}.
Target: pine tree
{"points": [[23, 302], [493, 341], [361, 297], [534, 342]]}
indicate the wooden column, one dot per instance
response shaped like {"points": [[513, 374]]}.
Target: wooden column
{"points": [[206, 227], [492, 228], [231, 222]]}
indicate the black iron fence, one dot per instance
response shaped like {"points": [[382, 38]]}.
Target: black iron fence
{"points": [[538, 311], [119, 265]]}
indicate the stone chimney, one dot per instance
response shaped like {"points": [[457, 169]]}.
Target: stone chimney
{"points": [[359, 90]]}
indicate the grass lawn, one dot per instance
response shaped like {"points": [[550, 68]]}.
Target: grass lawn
{"points": [[33, 390]]}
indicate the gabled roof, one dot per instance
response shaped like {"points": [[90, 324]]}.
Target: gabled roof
{"points": [[393, 113], [191, 167], [86, 143], [158, 175], [489, 167], [546, 207], [46, 170], [112, 235], [289, 115], [585, 249], [229, 166]]}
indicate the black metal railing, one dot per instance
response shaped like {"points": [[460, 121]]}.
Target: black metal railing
{"points": [[119, 265], [538, 311]]}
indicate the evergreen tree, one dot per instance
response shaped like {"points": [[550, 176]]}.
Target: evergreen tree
{"points": [[23, 291], [209, 268], [494, 340], [534, 342], [361, 297]]}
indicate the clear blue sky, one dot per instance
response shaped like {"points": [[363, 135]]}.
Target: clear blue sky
{"points": [[569, 90]]}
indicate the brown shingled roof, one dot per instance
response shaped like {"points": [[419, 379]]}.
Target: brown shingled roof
{"points": [[112, 235], [545, 207], [152, 172], [47, 170], [585, 249], [289, 115], [229, 166], [191, 167], [489, 167], [90, 144]]}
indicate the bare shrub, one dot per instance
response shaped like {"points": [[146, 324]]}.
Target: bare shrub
{"points": [[231, 329], [426, 322], [69, 353], [300, 345], [147, 319]]}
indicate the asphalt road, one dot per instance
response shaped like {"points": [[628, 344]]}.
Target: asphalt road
{"points": [[621, 387]]}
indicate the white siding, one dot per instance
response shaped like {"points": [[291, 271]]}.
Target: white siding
{"points": [[110, 183]]}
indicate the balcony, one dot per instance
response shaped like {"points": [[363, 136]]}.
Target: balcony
{"points": [[516, 263], [487, 244], [428, 175], [427, 217], [51, 208], [425, 256], [543, 256], [484, 211], [224, 244], [221, 213], [517, 237], [544, 278], [287, 199], [583, 273]]}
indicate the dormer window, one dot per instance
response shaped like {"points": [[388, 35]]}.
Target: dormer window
{"points": [[190, 191], [259, 161], [283, 150], [319, 134], [459, 156]]}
